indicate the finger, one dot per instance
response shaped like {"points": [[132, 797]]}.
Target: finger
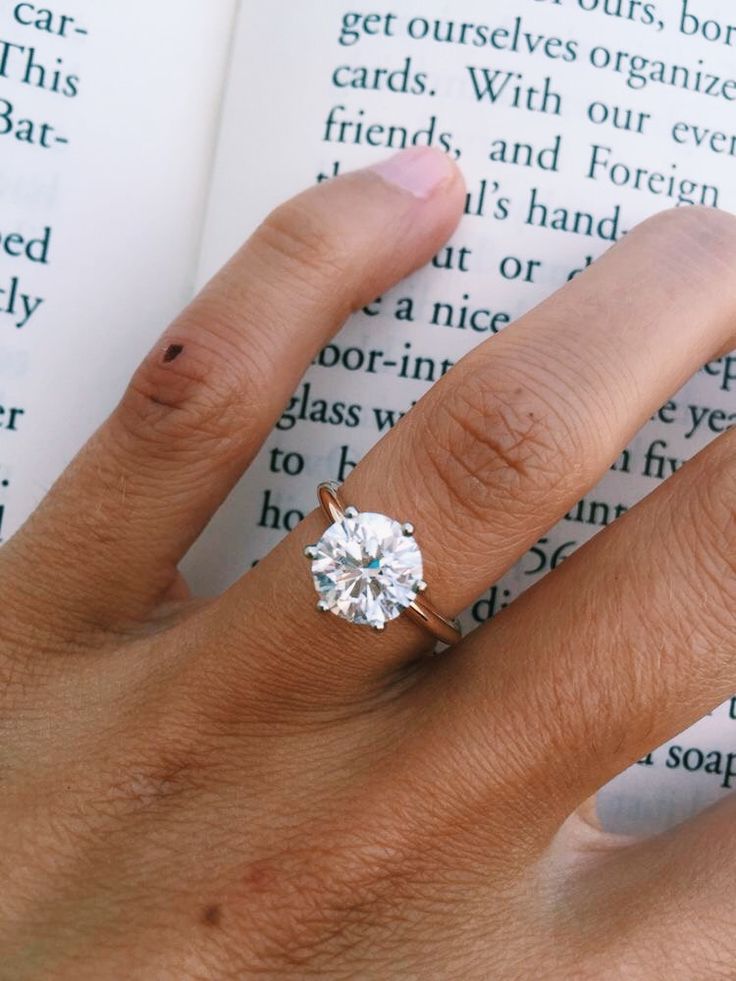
{"points": [[201, 404], [624, 646], [515, 434], [670, 896]]}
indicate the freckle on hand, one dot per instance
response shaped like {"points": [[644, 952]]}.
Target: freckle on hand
{"points": [[212, 915], [172, 352]]}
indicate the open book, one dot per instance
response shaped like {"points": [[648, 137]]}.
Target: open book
{"points": [[140, 143]]}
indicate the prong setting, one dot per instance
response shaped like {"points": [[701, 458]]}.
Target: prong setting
{"points": [[365, 569], [369, 569]]}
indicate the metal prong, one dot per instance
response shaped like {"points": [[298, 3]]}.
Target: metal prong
{"points": [[323, 607], [379, 627], [311, 552], [351, 512], [422, 586], [408, 529]]}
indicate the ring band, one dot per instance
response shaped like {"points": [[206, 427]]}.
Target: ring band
{"points": [[367, 568]]}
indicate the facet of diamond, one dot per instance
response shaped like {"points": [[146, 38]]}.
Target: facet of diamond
{"points": [[366, 568]]}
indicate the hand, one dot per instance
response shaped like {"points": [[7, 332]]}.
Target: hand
{"points": [[246, 788]]}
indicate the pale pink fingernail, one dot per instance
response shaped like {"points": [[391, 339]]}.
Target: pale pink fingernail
{"points": [[419, 170]]}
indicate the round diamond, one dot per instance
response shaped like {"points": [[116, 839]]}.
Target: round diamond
{"points": [[367, 569]]}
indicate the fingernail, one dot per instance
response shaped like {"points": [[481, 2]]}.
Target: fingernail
{"points": [[419, 170]]}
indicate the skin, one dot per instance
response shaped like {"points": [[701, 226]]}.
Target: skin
{"points": [[240, 787]]}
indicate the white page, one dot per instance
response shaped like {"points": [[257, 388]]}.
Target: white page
{"points": [[273, 143], [121, 204]]}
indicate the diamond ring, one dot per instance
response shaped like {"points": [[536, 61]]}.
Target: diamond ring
{"points": [[367, 569]]}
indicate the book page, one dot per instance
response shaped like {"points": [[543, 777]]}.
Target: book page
{"points": [[108, 117], [572, 120]]}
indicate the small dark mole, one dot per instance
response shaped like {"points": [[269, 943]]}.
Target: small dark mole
{"points": [[212, 915], [172, 352]]}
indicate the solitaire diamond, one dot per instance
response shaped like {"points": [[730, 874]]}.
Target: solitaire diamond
{"points": [[367, 568]]}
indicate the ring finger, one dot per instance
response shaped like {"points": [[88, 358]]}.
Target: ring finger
{"points": [[509, 440]]}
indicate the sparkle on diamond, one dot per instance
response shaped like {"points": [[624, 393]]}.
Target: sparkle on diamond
{"points": [[367, 570]]}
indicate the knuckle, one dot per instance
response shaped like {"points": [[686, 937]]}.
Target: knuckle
{"points": [[308, 247], [701, 233], [201, 399], [142, 784], [174, 763], [325, 899], [492, 443]]}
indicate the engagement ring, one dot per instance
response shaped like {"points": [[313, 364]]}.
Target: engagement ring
{"points": [[368, 569]]}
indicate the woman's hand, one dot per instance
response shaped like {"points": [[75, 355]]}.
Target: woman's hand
{"points": [[246, 788]]}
